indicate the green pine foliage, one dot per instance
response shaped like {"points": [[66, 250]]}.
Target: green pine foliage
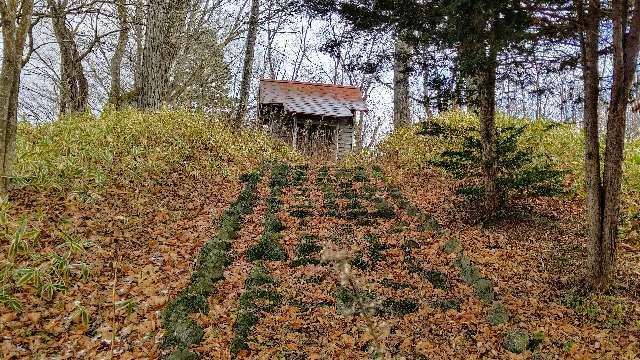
{"points": [[521, 171]]}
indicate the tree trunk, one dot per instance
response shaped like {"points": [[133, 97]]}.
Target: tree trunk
{"points": [[590, 33], [247, 70], [115, 93], [486, 99], [604, 194], [426, 88], [626, 43], [165, 22], [359, 136], [15, 18], [74, 88], [139, 41], [401, 76]]}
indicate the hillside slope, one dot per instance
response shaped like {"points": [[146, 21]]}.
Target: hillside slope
{"points": [[104, 222]]}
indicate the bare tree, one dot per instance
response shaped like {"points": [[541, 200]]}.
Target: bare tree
{"points": [[247, 69], [15, 17], [164, 25], [74, 87], [115, 92]]}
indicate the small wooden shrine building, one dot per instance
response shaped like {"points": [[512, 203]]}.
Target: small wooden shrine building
{"points": [[317, 119]]}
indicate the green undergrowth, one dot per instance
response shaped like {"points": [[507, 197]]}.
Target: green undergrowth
{"points": [[181, 332], [41, 269], [559, 145], [607, 311], [269, 247], [258, 296], [83, 154]]}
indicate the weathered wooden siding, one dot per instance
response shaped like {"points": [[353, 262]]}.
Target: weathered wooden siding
{"points": [[344, 139]]}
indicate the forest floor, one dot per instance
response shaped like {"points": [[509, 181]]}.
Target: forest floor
{"points": [[325, 263]]}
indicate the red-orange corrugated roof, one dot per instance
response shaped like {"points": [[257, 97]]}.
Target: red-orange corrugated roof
{"points": [[312, 98]]}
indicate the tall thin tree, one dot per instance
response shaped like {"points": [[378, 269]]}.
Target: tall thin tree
{"points": [[401, 76], [74, 87], [15, 18], [115, 92], [247, 69], [603, 189], [165, 21]]}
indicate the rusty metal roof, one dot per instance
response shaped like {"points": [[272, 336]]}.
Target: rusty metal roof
{"points": [[311, 98]]}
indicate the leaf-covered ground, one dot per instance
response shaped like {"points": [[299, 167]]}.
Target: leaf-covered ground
{"points": [[327, 263], [360, 270]]}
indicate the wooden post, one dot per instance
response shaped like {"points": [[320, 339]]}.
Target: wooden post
{"points": [[294, 142]]}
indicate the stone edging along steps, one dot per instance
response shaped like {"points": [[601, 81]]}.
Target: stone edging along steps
{"points": [[182, 332]]}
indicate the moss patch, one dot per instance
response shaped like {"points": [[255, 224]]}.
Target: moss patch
{"points": [[399, 307], [447, 304], [258, 296]]}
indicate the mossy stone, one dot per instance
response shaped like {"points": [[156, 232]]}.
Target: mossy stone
{"points": [[399, 307], [437, 279], [483, 289], [467, 270], [183, 333], [497, 314], [183, 355], [516, 341], [452, 247], [268, 248], [345, 301]]}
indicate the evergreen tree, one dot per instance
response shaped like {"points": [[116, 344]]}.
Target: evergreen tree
{"points": [[478, 30]]}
